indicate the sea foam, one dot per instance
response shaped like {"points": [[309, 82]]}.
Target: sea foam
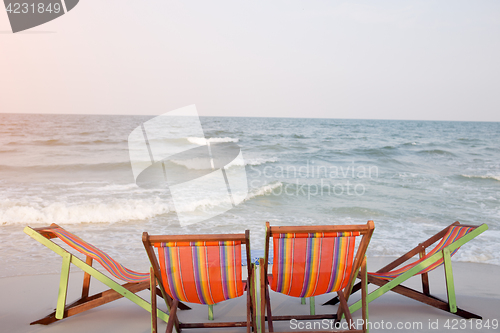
{"points": [[114, 210], [203, 141]]}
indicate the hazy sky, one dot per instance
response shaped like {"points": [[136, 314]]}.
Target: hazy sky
{"points": [[431, 60]]}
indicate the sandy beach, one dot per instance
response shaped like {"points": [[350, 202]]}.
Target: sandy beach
{"points": [[28, 298]]}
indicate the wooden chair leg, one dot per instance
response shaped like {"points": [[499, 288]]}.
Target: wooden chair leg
{"points": [[86, 279], [172, 319], [170, 304], [265, 301], [344, 309], [421, 297], [335, 300], [251, 296], [182, 306], [152, 286], [91, 302]]}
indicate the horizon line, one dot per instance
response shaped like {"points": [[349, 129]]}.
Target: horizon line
{"points": [[272, 117]]}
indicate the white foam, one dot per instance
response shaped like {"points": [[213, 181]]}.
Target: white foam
{"points": [[226, 139], [253, 162], [264, 190], [197, 141], [482, 177], [259, 161], [114, 210], [203, 141], [200, 163]]}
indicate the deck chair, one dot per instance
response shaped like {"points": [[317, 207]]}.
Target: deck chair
{"points": [[315, 260], [202, 269], [390, 277], [135, 282]]}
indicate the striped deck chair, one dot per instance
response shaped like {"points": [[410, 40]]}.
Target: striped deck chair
{"points": [[315, 260], [135, 282], [390, 277], [203, 269]]}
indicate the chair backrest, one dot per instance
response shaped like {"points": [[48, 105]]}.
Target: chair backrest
{"points": [[453, 233], [315, 260], [112, 266], [203, 269]]}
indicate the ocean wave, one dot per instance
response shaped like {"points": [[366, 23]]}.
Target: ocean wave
{"points": [[481, 177], [36, 212], [359, 211], [259, 161], [473, 140], [202, 141], [377, 152], [263, 190], [436, 152], [199, 163], [116, 210]]}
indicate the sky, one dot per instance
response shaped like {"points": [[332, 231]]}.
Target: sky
{"points": [[422, 60]]}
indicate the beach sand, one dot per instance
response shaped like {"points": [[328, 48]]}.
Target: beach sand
{"points": [[28, 298]]}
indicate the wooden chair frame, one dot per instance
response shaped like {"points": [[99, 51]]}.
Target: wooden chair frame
{"points": [[359, 266], [173, 305], [86, 302], [425, 297]]}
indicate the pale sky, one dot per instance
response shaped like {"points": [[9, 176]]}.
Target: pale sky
{"points": [[428, 60]]}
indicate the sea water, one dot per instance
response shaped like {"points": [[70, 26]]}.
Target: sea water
{"points": [[412, 178]]}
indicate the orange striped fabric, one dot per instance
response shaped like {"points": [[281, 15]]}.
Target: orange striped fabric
{"points": [[310, 264], [112, 266], [454, 233], [201, 272]]}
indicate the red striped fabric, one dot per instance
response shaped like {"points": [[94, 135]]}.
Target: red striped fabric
{"points": [[454, 233], [113, 267], [201, 272], [310, 264]]}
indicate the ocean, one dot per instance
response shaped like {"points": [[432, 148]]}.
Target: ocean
{"points": [[412, 178]]}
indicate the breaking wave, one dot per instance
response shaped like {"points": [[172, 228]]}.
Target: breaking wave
{"points": [[202, 141], [200, 163], [24, 212], [482, 177]]}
